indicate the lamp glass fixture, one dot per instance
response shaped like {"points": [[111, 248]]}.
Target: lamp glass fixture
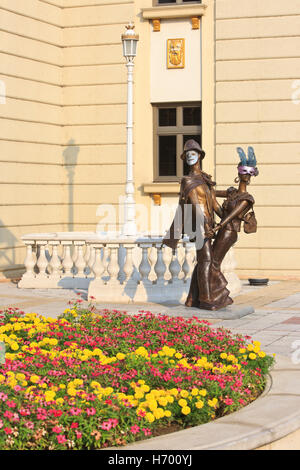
{"points": [[130, 40]]}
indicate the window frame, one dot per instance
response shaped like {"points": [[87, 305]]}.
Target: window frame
{"points": [[179, 130]]}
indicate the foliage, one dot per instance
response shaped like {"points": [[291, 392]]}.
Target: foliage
{"points": [[91, 379]]}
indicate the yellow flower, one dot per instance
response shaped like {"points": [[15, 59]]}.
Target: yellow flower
{"points": [[223, 355], [213, 403], [14, 346], [252, 356], [150, 417], [203, 392], [242, 350], [120, 356], [163, 401], [49, 395], [167, 413], [59, 401], [199, 404], [139, 394], [184, 393], [178, 356], [262, 354], [158, 413], [182, 402], [186, 410], [34, 379]]}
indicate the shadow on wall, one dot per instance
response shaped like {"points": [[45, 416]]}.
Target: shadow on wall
{"points": [[70, 156], [8, 242]]}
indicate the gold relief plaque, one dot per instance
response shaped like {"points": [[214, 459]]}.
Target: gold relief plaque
{"points": [[175, 53]]}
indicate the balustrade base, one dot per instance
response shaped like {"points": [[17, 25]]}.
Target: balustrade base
{"points": [[99, 265], [143, 292]]}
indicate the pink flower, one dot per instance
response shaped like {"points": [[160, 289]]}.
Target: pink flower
{"points": [[29, 424], [3, 396], [106, 425], [78, 434], [1, 424], [135, 429], [147, 431], [61, 439], [228, 401], [74, 425], [8, 430], [90, 411], [11, 403], [57, 429]]}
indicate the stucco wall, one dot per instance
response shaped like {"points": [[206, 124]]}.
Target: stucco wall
{"points": [[95, 96], [257, 63], [31, 62]]}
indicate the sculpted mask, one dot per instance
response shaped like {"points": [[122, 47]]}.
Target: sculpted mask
{"points": [[192, 157]]}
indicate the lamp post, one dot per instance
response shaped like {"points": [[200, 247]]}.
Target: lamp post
{"points": [[129, 40]]}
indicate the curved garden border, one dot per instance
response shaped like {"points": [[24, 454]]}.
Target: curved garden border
{"points": [[274, 415]]}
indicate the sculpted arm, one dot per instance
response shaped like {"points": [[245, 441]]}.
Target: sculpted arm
{"points": [[216, 205], [240, 208]]}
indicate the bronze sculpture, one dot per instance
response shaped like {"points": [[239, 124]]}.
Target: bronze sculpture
{"points": [[208, 284]]}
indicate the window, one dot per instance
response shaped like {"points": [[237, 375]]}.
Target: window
{"points": [[174, 124]]}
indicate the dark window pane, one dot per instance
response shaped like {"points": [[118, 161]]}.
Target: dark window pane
{"points": [[167, 155], [167, 117], [193, 1], [166, 1], [192, 116], [197, 138]]}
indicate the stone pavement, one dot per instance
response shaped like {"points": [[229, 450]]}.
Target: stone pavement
{"points": [[275, 321]]}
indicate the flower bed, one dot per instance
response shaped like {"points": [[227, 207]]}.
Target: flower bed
{"points": [[89, 380]]}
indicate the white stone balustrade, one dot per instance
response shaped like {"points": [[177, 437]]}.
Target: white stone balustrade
{"points": [[113, 270]]}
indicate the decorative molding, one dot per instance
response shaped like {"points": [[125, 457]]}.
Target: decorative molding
{"points": [[157, 199], [176, 11], [195, 22], [156, 25], [176, 53]]}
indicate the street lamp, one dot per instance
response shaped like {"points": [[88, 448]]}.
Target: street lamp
{"points": [[129, 40]]}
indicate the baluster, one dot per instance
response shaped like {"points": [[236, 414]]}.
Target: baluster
{"points": [[67, 262], [152, 258], [98, 267], [91, 259], [80, 262], [86, 259], [188, 264], [42, 261], [167, 258], [174, 267], [29, 261], [128, 265], [145, 267], [113, 265], [55, 264], [160, 267]]}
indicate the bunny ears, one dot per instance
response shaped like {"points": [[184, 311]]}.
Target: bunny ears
{"points": [[247, 165]]}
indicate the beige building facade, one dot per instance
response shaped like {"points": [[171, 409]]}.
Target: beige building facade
{"points": [[63, 115]]}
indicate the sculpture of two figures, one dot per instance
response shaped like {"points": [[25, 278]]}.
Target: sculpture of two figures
{"points": [[198, 197]]}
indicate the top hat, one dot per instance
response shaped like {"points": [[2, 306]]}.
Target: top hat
{"points": [[191, 144]]}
